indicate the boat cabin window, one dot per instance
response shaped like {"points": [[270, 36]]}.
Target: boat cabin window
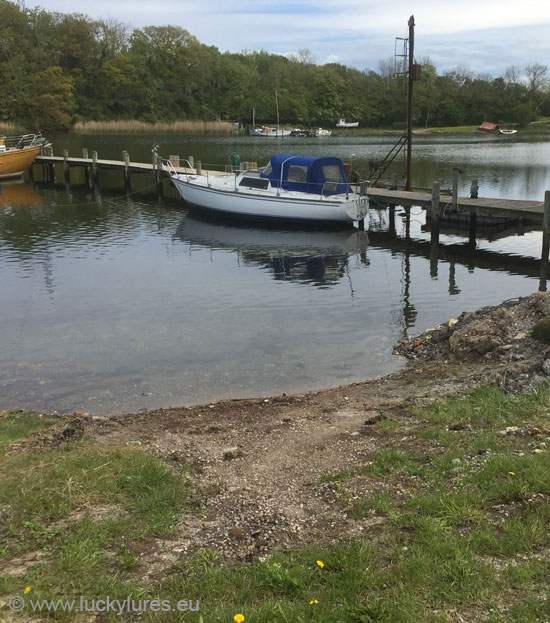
{"points": [[267, 170], [297, 173], [254, 182], [333, 174]]}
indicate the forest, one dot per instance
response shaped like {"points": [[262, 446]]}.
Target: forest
{"points": [[57, 69]]}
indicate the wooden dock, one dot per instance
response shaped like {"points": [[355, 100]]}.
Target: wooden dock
{"points": [[435, 203]]}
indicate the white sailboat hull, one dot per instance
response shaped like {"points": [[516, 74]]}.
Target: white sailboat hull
{"points": [[221, 194]]}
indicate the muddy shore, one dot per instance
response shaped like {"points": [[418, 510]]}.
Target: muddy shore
{"points": [[259, 464]]}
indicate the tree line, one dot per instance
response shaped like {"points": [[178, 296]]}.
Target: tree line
{"points": [[56, 69]]}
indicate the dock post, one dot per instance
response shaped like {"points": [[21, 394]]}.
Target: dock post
{"points": [[392, 219], [127, 181], [50, 165], [456, 178], [472, 233], [192, 162], [157, 173], [66, 167], [435, 214], [199, 167], [474, 189], [95, 171], [545, 242], [86, 167]]}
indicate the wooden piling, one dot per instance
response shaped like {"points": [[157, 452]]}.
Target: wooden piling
{"points": [[199, 167], [545, 242], [192, 162], [473, 228], [95, 169], [86, 167], [66, 172], [435, 213], [127, 180], [456, 177], [474, 189]]}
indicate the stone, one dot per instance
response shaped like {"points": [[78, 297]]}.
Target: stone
{"points": [[546, 367]]}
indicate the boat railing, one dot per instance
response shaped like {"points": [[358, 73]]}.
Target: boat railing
{"points": [[23, 140]]}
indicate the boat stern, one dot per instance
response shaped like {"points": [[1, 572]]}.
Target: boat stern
{"points": [[357, 208]]}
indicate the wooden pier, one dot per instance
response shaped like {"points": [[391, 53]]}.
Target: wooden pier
{"points": [[436, 203]]}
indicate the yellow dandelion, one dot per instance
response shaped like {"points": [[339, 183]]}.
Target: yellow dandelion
{"points": [[27, 590], [512, 473], [238, 618], [321, 563], [313, 601]]}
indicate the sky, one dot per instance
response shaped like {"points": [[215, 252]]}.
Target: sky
{"points": [[486, 36]]}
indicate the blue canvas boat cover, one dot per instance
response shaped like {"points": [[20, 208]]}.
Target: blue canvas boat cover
{"points": [[306, 174]]}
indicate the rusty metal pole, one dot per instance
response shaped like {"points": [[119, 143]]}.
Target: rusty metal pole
{"points": [[410, 102]]}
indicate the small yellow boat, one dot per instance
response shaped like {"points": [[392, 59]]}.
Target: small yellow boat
{"points": [[17, 153]]}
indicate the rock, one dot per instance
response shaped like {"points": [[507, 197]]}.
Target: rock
{"points": [[546, 367], [232, 453], [521, 335]]}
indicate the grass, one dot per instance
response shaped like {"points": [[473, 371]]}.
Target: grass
{"points": [[20, 424], [464, 528], [140, 127]]}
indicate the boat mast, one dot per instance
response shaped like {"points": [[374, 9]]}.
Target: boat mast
{"points": [[277, 107], [410, 102]]}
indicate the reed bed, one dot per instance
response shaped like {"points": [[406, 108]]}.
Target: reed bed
{"points": [[8, 128], [138, 127]]}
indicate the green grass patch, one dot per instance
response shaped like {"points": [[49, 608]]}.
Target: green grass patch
{"points": [[17, 425]]}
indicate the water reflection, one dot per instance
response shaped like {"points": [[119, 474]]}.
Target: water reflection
{"points": [[18, 193], [316, 257]]}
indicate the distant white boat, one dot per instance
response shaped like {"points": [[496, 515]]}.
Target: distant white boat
{"points": [[269, 131], [322, 132], [342, 123], [289, 188], [502, 131]]}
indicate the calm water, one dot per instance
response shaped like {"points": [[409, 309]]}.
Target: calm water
{"points": [[115, 303]]}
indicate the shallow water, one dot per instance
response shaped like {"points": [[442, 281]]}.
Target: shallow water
{"points": [[113, 304]]}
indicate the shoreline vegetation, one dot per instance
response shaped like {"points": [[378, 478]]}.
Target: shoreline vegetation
{"points": [[420, 497], [188, 127]]}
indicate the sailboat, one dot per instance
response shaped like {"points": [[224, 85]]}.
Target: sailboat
{"points": [[267, 130]]}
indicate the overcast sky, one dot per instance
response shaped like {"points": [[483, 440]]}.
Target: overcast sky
{"points": [[485, 35]]}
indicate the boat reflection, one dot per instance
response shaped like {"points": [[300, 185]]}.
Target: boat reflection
{"points": [[18, 193], [316, 257]]}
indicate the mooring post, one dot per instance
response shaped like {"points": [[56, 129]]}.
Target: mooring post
{"points": [[473, 229], [456, 177], [95, 171], [192, 162], [66, 166], [435, 214], [392, 219], [127, 181], [199, 167], [545, 242], [86, 166], [474, 189], [157, 172]]}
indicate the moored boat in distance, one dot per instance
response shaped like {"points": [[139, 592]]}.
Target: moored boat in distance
{"points": [[342, 123], [270, 131], [17, 153], [504, 131], [289, 188]]}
